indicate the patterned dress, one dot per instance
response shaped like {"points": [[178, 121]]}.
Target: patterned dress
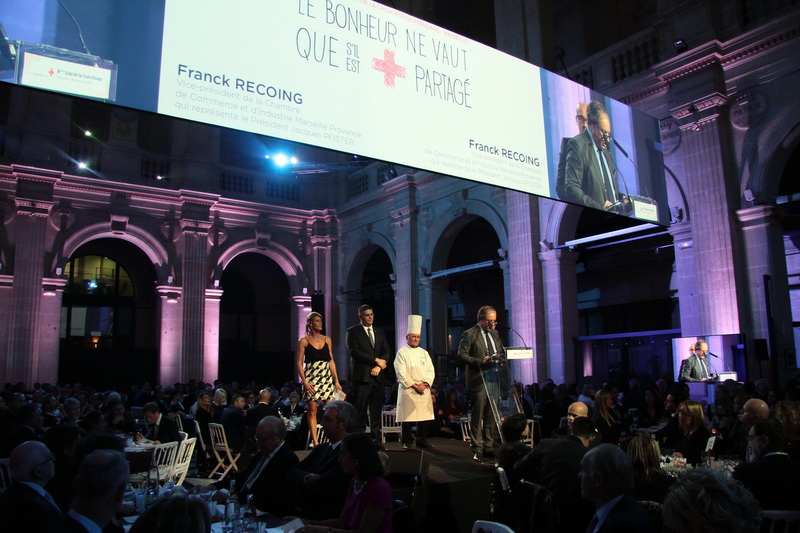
{"points": [[318, 373]]}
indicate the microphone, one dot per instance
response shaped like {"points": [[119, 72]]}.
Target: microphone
{"points": [[499, 325], [713, 355], [621, 149], [509, 328]]}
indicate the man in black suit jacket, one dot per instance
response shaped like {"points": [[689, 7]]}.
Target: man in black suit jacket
{"points": [[102, 480], [772, 477], [369, 357], [254, 415], [266, 476], [607, 481], [319, 480], [29, 418], [25, 507], [162, 428], [233, 420], [590, 177], [479, 346]]}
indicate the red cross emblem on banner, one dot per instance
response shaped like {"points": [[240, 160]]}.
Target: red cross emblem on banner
{"points": [[390, 69]]}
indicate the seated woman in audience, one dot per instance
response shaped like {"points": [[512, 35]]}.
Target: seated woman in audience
{"points": [[449, 415], [704, 501], [175, 513], [788, 414], [118, 420], [204, 415], [695, 432], [368, 508], [651, 409], [606, 418], [650, 482], [93, 422]]}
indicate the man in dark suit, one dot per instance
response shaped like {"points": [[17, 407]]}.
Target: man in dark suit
{"points": [[29, 419], [319, 480], [555, 464], [266, 476], [772, 475], [589, 173], [162, 428], [233, 420], [25, 507], [695, 367], [369, 357], [254, 415], [480, 346], [102, 480], [607, 481]]}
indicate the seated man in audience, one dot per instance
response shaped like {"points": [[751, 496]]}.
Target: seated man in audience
{"points": [[607, 481], [293, 408], [102, 480], [753, 411], [29, 419], [25, 507], [256, 413], [319, 479], [233, 420], [771, 475], [162, 428]]}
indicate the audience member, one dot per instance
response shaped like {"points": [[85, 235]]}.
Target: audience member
{"points": [[752, 411], [607, 481], [607, 418], [118, 420], [695, 432], [162, 428], [651, 408], [368, 508], [788, 413], [101, 484], [670, 435], [575, 410], [233, 420], [29, 427], [294, 407], [770, 475], [175, 513], [26, 507], [319, 479], [261, 409], [703, 501], [650, 482]]}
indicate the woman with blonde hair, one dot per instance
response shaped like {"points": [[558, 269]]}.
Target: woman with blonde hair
{"points": [[317, 369], [692, 424], [650, 482], [606, 418]]}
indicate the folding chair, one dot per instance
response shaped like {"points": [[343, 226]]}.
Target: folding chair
{"points": [[219, 444], [484, 526], [389, 425], [183, 459], [163, 458], [464, 422], [137, 412], [321, 437], [5, 474]]}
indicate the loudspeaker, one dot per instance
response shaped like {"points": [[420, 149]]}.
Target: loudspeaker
{"points": [[318, 303], [407, 467], [760, 350]]}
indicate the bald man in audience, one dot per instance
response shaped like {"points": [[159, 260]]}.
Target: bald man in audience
{"points": [[753, 410], [101, 484], [25, 507], [575, 410]]}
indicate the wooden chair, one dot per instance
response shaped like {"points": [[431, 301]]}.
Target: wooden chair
{"points": [[780, 522], [321, 437], [219, 445], [164, 458], [199, 434], [5, 474], [389, 425], [464, 422], [183, 459]]}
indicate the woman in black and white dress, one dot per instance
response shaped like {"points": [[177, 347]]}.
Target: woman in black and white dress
{"points": [[317, 369]]}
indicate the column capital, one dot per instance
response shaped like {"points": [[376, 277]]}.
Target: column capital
{"points": [[701, 111], [758, 215], [33, 208], [558, 254]]}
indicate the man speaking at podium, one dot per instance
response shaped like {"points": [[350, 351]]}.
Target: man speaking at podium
{"points": [[695, 367], [481, 345]]}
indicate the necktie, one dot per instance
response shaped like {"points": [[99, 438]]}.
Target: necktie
{"points": [[371, 338], [489, 343], [704, 367], [254, 474], [610, 196]]}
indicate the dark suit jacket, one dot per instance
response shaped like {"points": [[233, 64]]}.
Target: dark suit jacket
{"points": [[15, 437], [627, 516], [270, 492], [69, 525], [773, 481], [691, 369], [472, 350], [299, 410], [362, 354], [23, 510], [325, 497], [254, 415], [167, 431], [583, 177], [234, 421]]}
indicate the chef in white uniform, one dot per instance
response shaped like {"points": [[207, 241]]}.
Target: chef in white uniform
{"points": [[415, 374]]}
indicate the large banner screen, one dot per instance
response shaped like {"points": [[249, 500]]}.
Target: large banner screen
{"points": [[359, 77]]}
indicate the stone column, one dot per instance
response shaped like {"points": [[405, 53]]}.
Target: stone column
{"points": [[766, 257], [49, 329], [171, 330], [711, 186], [30, 227], [560, 316], [348, 309], [406, 298], [524, 293], [685, 280], [210, 362], [194, 283]]}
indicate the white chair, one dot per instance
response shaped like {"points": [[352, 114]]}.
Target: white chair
{"points": [[219, 445], [163, 458], [389, 425], [182, 434], [321, 437], [484, 526], [633, 413], [197, 432], [183, 459], [137, 412], [464, 422], [5, 475], [780, 521]]}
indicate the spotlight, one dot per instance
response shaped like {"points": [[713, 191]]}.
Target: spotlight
{"points": [[87, 133], [281, 160], [293, 160], [82, 165], [92, 284], [680, 46]]}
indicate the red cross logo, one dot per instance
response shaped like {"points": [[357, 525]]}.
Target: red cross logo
{"points": [[51, 72], [390, 69]]}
